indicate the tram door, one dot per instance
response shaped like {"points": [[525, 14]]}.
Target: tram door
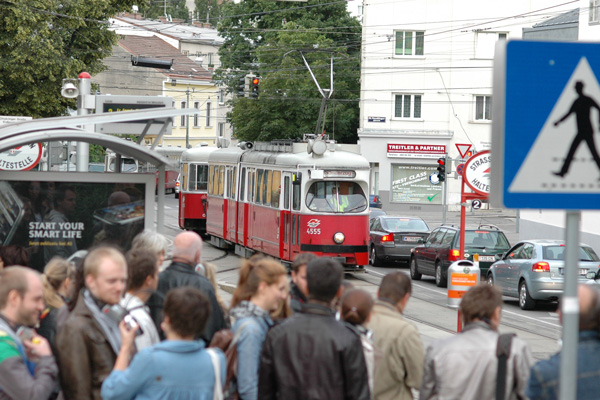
{"points": [[294, 230], [242, 210], [285, 222]]}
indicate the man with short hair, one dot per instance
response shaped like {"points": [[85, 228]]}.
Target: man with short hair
{"points": [[298, 288], [545, 375], [89, 341], [27, 367], [311, 355], [465, 366], [142, 282], [401, 367], [187, 254]]}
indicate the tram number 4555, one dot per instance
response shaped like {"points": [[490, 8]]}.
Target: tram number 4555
{"points": [[313, 231]]}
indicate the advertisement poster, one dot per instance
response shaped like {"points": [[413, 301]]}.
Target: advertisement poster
{"points": [[59, 218], [410, 184]]}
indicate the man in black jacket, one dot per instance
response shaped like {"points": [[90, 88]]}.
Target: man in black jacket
{"points": [[311, 355], [187, 252], [298, 288]]}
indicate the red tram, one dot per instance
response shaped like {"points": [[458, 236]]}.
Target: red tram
{"points": [[284, 198], [193, 188]]}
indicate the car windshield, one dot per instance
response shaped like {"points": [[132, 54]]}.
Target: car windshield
{"points": [[404, 224], [485, 239], [334, 197], [557, 252]]}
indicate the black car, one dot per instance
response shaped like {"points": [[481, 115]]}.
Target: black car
{"points": [[442, 248], [392, 238], [374, 201]]}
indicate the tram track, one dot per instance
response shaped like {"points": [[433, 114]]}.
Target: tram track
{"points": [[504, 322]]}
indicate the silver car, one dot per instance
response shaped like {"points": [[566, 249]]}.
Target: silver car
{"points": [[533, 270]]}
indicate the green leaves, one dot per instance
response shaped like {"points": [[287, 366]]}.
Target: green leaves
{"points": [[268, 39], [45, 41]]}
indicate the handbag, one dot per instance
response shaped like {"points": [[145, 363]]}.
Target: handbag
{"points": [[502, 352], [218, 389]]}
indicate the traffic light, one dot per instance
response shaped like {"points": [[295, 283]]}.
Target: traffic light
{"points": [[254, 87], [470, 153], [241, 92], [441, 169]]}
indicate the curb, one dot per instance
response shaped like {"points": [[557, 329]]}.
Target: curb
{"points": [[228, 287]]}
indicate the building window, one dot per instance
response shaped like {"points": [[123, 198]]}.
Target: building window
{"points": [[485, 43], [208, 113], [483, 108], [221, 129], [221, 96], [197, 115], [210, 59], [407, 106], [409, 43], [594, 10], [183, 117]]}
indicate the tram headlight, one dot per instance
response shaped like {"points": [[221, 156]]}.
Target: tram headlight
{"points": [[339, 238]]}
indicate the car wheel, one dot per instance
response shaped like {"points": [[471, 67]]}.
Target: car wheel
{"points": [[490, 280], [373, 259], [439, 278], [525, 300], [414, 271]]}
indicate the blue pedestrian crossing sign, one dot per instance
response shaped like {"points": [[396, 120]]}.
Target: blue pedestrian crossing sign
{"points": [[546, 125]]}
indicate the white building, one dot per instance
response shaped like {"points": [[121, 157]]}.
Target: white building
{"points": [[426, 85]]}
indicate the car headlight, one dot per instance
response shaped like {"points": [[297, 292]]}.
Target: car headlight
{"points": [[339, 238]]}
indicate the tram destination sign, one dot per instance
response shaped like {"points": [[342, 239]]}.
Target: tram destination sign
{"points": [[111, 104]]}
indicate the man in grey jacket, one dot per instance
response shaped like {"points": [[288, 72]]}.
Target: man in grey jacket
{"points": [[27, 367], [465, 366]]}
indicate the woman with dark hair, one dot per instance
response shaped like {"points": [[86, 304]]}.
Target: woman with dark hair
{"points": [[178, 368], [356, 307], [261, 289], [14, 255]]}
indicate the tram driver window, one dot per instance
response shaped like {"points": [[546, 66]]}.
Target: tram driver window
{"points": [[334, 197], [199, 176]]}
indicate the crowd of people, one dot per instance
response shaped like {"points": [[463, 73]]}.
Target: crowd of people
{"points": [[113, 326]]}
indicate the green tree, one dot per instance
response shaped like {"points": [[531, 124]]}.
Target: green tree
{"points": [[210, 8], [267, 39], [45, 41], [157, 8]]}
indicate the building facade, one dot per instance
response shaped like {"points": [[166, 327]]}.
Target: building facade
{"points": [[426, 86]]}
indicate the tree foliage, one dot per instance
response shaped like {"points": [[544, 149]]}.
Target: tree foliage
{"points": [[45, 41], [157, 8], [268, 39], [210, 8]]}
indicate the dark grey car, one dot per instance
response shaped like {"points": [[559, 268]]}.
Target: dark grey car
{"points": [[392, 238], [533, 270]]}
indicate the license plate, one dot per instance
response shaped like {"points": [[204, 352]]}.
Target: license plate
{"points": [[411, 238], [487, 258], [582, 271]]}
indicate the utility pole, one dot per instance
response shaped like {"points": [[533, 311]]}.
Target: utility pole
{"points": [[85, 102]]}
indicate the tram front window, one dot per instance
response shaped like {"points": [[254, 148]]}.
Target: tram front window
{"points": [[334, 197], [199, 177]]}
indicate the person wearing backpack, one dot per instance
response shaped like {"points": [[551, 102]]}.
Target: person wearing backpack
{"points": [[465, 366], [262, 287]]}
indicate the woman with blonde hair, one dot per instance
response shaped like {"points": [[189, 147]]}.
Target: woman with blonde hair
{"points": [[261, 289], [58, 282]]}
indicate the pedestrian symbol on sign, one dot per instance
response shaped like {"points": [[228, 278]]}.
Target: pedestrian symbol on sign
{"points": [[560, 132]]}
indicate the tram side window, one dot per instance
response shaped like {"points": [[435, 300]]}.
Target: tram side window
{"points": [[221, 187], [228, 180], [275, 189], [266, 187], [233, 182], [211, 183], [259, 182], [286, 193], [251, 185], [242, 184], [184, 176], [296, 199]]}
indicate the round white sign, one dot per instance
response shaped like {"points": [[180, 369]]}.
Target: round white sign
{"points": [[22, 158], [477, 172]]}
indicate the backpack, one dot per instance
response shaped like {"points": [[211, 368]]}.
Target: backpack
{"points": [[227, 341]]}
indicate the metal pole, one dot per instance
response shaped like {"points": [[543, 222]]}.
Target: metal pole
{"points": [[83, 148], [444, 201], [187, 121], [518, 220], [570, 310], [160, 191]]}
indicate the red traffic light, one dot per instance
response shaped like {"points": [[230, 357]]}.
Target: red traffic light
{"points": [[441, 161], [255, 81]]}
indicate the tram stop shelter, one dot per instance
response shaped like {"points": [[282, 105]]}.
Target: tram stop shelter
{"points": [[106, 205]]}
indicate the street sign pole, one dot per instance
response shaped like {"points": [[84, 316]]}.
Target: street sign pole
{"points": [[83, 148], [570, 310]]}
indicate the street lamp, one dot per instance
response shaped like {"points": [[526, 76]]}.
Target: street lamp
{"points": [[85, 102]]}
